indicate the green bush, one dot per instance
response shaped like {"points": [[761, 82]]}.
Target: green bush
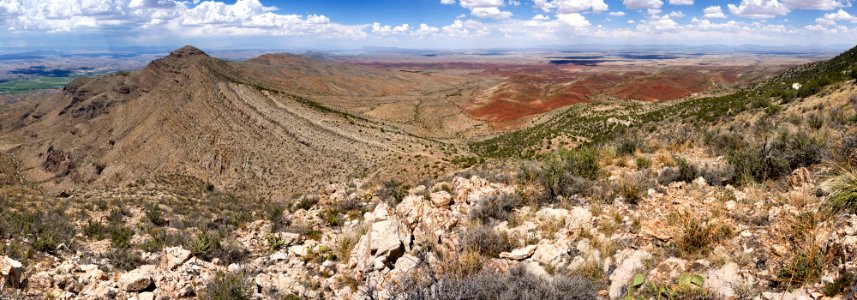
{"points": [[643, 163], [772, 160], [562, 170], [205, 245]]}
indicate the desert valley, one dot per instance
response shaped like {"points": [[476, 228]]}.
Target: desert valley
{"points": [[652, 150]]}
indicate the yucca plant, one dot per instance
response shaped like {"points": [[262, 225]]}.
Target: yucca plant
{"points": [[842, 191]]}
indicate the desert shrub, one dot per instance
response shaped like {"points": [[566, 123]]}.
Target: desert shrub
{"points": [[716, 175], [517, 284], [330, 216], [774, 159], [120, 236], [847, 151], [160, 238], [698, 234], [393, 192], [497, 207], [643, 163], [274, 213], [306, 203], [563, 170], [683, 171], [843, 281], [205, 245], [633, 187], [803, 267], [687, 172], [842, 191], [124, 258], [627, 146], [484, 241], [226, 286], [153, 214], [274, 242], [44, 230], [815, 121]]}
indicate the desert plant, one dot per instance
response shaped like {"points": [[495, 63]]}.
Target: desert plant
{"points": [[517, 284], [205, 245], [393, 192], [484, 241], [698, 233], [226, 286], [497, 207], [564, 167], [154, 214], [842, 190], [643, 163]]}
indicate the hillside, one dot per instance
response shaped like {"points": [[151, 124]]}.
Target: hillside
{"points": [[197, 116]]}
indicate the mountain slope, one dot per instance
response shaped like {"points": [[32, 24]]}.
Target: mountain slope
{"points": [[188, 114]]}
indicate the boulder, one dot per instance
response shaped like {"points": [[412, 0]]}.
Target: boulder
{"points": [[553, 253], [11, 272], [519, 253], [441, 198], [629, 262], [137, 280], [388, 239], [173, 257], [723, 281], [577, 217]]}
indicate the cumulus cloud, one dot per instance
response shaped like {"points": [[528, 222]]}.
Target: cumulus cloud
{"points": [[832, 18], [714, 12], [677, 14], [817, 4], [643, 4], [658, 23], [486, 8], [571, 6], [681, 2], [616, 14], [759, 9], [244, 17]]}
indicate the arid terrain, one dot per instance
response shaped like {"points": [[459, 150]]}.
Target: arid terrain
{"points": [[514, 175]]}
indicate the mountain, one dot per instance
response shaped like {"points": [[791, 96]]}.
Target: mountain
{"points": [[222, 122]]}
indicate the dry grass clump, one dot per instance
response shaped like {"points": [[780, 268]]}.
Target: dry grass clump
{"points": [[698, 235]]}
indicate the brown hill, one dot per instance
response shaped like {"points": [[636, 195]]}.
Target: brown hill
{"points": [[222, 122]]}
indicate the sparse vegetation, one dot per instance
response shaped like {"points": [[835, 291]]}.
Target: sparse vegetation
{"points": [[843, 191], [226, 286]]}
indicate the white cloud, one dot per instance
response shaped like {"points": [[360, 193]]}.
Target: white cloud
{"points": [[447, 1], [760, 9], [573, 20], [714, 12], [658, 23], [425, 30], [571, 6], [385, 30], [643, 4], [681, 2], [832, 18], [616, 14], [486, 8], [817, 4], [677, 14], [207, 18]]}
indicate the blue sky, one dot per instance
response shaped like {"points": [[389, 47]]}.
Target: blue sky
{"points": [[323, 24]]}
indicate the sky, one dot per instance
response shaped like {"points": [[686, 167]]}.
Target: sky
{"points": [[423, 24]]}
